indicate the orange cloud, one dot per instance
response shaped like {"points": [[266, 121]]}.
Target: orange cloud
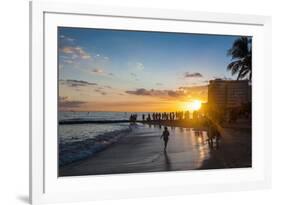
{"points": [[76, 52]]}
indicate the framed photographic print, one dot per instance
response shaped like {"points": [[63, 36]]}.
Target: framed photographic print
{"points": [[129, 102]]}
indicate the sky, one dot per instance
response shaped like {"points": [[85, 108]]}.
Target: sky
{"points": [[134, 71]]}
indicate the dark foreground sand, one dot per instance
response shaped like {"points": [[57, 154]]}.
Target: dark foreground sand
{"points": [[142, 151], [235, 150]]}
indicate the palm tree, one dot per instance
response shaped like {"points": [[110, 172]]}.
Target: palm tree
{"points": [[241, 53]]}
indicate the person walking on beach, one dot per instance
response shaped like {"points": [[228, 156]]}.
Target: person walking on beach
{"points": [[165, 136]]}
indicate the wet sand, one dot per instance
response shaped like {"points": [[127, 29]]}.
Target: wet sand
{"points": [[235, 150], [142, 151]]}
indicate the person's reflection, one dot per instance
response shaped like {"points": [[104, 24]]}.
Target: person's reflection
{"points": [[167, 161]]}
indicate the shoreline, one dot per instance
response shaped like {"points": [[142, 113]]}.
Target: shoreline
{"points": [[142, 152], [69, 152]]}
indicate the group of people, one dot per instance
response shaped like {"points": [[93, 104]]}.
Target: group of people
{"points": [[133, 118], [214, 136], [213, 139], [164, 116]]}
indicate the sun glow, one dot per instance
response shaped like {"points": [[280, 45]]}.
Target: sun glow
{"points": [[193, 105]]}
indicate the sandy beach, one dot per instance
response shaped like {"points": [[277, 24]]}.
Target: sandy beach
{"points": [[141, 150], [235, 150]]}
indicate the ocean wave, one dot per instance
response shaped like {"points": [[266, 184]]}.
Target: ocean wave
{"points": [[77, 150]]}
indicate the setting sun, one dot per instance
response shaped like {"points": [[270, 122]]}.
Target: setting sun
{"points": [[195, 105]]}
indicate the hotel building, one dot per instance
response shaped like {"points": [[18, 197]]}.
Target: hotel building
{"points": [[224, 95]]}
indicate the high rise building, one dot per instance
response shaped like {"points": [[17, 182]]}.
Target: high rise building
{"points": [[227, 94]]}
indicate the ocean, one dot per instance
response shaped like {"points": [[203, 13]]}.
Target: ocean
{"points": [[79, 141]]}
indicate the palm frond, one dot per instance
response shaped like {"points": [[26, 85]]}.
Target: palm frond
{"points": [[241, 53]]}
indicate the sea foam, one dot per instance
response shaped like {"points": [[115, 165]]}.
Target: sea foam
{"points": [[73, 151]]}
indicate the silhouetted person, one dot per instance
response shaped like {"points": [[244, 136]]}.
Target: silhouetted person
{"points": [[165, 136], [186, 115], [148, 118], [213, 135], [218, 138]]}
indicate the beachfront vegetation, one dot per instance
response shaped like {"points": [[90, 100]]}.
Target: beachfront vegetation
{"points": [[241, 54]]}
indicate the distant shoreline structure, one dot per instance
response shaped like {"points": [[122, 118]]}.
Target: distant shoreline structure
{"points": [[170, 123], [75, 111]]}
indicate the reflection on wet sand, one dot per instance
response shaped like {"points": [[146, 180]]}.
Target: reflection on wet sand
{"points": [[185, 142], [142, 151]]}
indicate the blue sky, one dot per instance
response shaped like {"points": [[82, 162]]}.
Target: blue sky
{"points": [[130, 60]]}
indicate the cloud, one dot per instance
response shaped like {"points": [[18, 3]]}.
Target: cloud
{"points": [[134, 76], [159, 84], [63, 37], [68, 61], [98, 70], [98, 89], [200, 91], [153, 92], [65, 104], [176, 93], [136, 66], [69, 48], [139, 66], [71, 104], [101, 91], [62, 98], [100, 58], [193, 88], [180, 93], [77, 83], [193, 75], [140, 91], [75, 52]]}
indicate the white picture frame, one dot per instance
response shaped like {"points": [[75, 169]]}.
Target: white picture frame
{"points": [[46, 187]]}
